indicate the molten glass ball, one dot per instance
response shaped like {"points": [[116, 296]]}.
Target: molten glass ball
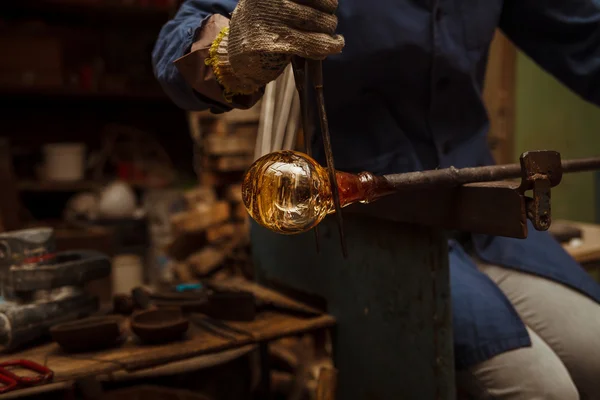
{"points": [[287, 192]]}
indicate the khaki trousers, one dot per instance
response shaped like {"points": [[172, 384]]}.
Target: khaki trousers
{"points": [[563, 362]]}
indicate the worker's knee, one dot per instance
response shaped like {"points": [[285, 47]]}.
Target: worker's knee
{"points": [[532, 373], [502, 384], [557, 387]]}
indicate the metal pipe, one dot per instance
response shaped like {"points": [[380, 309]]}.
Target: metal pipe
{"points": [[315, 69], [449, 177], [581, 164]]}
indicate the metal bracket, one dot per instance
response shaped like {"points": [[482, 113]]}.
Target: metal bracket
{"points": [[541, 171]]}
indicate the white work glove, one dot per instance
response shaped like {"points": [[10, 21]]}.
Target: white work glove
{"points": [[263, 35]]}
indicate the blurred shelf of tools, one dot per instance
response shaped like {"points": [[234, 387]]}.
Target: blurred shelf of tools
{"points": [[116, 204]]}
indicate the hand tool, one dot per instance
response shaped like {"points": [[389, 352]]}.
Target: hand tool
{"points": [[256, 304], [202, 322], [307, 72], [13, 381], [225, 304], [31, 270], [217, 327], [21, 324]]}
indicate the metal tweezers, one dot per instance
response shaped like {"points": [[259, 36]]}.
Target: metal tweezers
{"points": [[307, 73]]}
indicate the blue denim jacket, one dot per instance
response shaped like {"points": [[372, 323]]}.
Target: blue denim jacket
{"points": [[405, 94]]}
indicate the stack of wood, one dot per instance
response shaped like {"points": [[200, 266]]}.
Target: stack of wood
{"points": [[299, 366], [211, 237]]}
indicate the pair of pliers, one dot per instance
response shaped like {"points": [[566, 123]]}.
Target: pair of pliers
{"points": [[10, 380], [310, 73]]}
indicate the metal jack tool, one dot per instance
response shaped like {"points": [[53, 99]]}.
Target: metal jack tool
{"points": [[307, 73]]}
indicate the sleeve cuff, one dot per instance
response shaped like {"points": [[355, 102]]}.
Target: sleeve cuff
{"points": [[200, 76]]}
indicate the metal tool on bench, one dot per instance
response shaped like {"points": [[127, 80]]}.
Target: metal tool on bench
{"points": [[221, 303], [42, 287], [212, 308], [11, 380], [204, 308], [218, 327], [312, 198]]}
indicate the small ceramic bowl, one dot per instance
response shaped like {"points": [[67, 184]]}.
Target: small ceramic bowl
{"points": [[160, 325], [89, 334]]}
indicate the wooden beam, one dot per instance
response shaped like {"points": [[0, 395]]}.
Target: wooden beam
{"points": [[499, 97]]}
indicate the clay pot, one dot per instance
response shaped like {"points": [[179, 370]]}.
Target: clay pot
{"points": [[160, 325], [89, 334]]}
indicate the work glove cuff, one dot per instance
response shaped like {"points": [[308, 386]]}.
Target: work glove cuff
{"points": [[218, 60]]}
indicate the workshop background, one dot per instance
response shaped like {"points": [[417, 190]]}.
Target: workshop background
{"points": [[91, 146]]}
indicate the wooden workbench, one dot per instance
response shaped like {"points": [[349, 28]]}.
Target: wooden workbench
{"points": [[133, 356], [588, 249]]}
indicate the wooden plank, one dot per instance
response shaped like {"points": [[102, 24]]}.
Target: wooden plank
{"points": [[263, 293], [234, 193], [132, 356], [36, 391], [200, 218], [588, 248], [245, 116], [200, 194], [228, 145], [228, 163], [194, 126], [499, 97], [244, 130], [239, 212], [218, 233], [327, 384], [179, 367], [214, 126], [207, 260], [186, 243], [220, 179], [184, 273]]}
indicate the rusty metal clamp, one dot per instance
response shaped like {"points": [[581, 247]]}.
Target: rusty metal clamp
{"points": [[540, 171]]}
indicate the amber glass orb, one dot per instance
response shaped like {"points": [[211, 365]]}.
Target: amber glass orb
{"points": [[287, 192]]}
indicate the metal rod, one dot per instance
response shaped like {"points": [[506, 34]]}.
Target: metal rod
{"points": [[581, 164], [316, 71], [302, 83], [449, 177]]}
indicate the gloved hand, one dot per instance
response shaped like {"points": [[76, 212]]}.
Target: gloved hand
{"points": [[264, 35]]}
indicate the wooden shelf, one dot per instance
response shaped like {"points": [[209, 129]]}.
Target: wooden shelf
{"points": [[89, 12], [68, 93], [55, 186], [77, 186]]}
